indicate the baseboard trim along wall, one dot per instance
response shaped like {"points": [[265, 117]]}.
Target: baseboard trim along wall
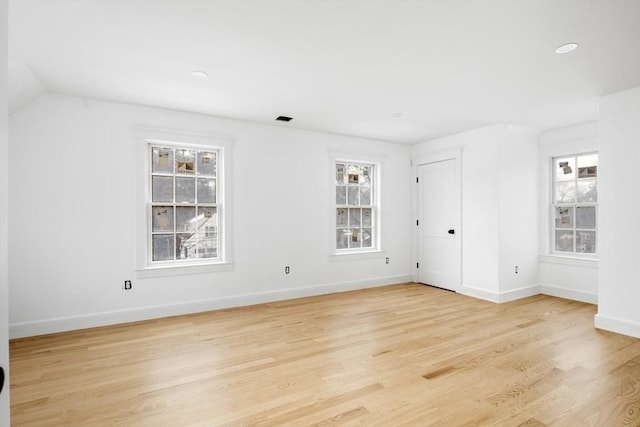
{"points": [[572, 294], [499, 297], [49, 326], [618, 326]]}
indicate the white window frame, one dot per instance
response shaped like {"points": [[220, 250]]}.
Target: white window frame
{"points": [[574, 205], [376, 248], [146, 138]]}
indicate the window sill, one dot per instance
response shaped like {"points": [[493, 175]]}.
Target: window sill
{"points": [[353, 256], [572, 260], [181, 270]]}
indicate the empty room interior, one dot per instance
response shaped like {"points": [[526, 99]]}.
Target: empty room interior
{"points": [[274, 213]]}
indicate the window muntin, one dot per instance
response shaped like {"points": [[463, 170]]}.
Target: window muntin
{"points": [[574, 207], [356, 210], [184, 208]]}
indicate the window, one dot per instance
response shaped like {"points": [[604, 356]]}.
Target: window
{"points": [[575, 197], [356, 209], [183, 210]]}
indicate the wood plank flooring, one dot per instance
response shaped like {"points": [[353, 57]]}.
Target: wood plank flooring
{"points": [[397, 355]]}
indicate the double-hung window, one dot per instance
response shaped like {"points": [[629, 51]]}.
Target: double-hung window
{"points": [[575, 204], [183, 213], [356, 210]]}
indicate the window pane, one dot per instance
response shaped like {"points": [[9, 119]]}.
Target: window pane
{"points": [[206, 190], [365, 196], [161, 160], [162, 189], [341, 217], [186, 244], [354, 217], [341, 195], [162, 247], [353, 174], [340, 173], [565, 169], [586, 242], [354, 196], [185, 218], [565, 192], [366, 217], [185, 160], [585, 217], [564, 241], [342, 239], [208, 247], [587, 191], [207, 215], [206, 163], [365, 178], [367, 241], [564, 217], [587, 161], [162, 218], [185, 190], [355, 241]]}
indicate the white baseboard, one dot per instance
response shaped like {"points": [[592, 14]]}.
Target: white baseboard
{"points": [[619, 326], [499, 297], [572, 294], [48, 326]]}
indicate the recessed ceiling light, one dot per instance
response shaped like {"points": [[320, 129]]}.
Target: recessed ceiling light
{"points": [[284, 119], [396, 115], [199, 75], [567, 47]]}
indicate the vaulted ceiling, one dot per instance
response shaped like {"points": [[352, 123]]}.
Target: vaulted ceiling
{"points": [[403, 71]]}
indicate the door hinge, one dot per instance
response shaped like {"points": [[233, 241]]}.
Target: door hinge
{"points": [[417, 265], [416, 179], [417, 222]]}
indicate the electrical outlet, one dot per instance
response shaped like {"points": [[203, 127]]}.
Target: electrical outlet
{"points": [[127, 285], [287, 269], [516, 269], [386, 260]]}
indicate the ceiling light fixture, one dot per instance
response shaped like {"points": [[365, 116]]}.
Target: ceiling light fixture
{"points": [[567, 47], [201, 75]]}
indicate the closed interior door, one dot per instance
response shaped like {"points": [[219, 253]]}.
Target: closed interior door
{"points": [[439, 259]]}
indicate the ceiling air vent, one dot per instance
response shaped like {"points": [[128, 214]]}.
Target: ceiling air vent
{"points": [[283, 119]]}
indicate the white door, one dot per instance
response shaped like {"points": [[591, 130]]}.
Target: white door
{"points": [[439, 251]]}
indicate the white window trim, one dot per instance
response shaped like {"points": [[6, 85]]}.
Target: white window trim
{"points": [[144, 137], [355, 157], [575, 141]]}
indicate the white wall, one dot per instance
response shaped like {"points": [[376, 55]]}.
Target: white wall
{"points": [[499, 224], [4, 210], [619, 213], [518, 177], [564, 276], [73, 213]]}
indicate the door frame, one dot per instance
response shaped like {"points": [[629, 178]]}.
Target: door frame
{"points": [[424, 159]]}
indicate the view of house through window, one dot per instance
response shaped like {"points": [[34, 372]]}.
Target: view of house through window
{"points": [[355, 207], [183, 213], [575, 197]]}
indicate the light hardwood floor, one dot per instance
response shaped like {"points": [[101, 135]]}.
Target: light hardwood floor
{"points": [[397, 355]]}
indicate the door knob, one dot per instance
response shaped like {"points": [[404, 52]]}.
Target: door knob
{"points": [[452, 231]]}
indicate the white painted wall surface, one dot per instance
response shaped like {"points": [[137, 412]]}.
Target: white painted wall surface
{"points": [[562, 276], [518, 177], [488, 158], [4, 217], [73, 210], [619, 213]]}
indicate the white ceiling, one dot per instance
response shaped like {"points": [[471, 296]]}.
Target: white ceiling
{"points": [[335, 66]]}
